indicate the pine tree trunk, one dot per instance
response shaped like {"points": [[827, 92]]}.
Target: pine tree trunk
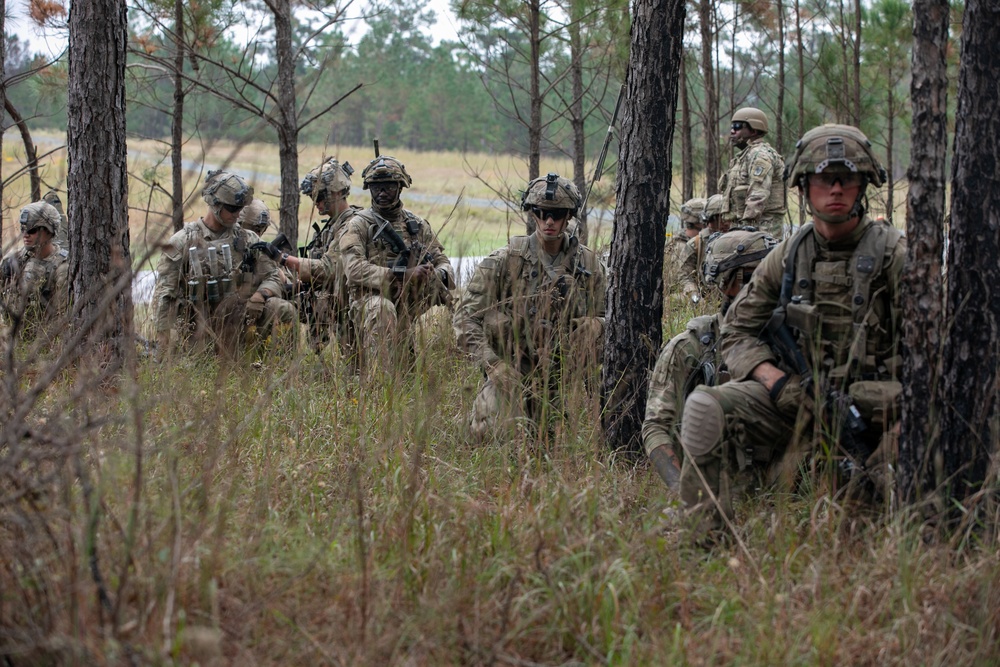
{"points": [[177, 120], [687, 147], [635, 290], [779, 114], [890, 165], [922, 289], [711, 98], [97, 208], [576, 121], [856, 97], [800, 51], [969, 391], [535, 131], [3, 103], [288, 133]]}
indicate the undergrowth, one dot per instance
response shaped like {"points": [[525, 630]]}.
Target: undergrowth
{"points": [[286, 512]]}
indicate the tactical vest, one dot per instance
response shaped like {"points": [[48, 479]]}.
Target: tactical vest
{"points": [[325, 236], [708, 370], [243, 274], [841, 305], [32, 278], [735, 184]]}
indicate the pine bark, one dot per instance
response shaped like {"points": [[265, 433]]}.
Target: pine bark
{"points": [[711, 97], [635, 289], [177, 120], [97, 207], [288, 131], [687, 143], [969, 391], [922, 286], [577, 123]]}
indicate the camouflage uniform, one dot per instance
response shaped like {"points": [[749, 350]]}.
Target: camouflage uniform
{"points": [[383, 304], [525, 312], [693, 254], [844, 314], [674, 250], [35, 288], [753, 188], [218, 304], [256, 218], [327, 302], [692, 357]]}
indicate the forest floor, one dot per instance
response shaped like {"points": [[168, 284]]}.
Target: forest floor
{"points": [[283, 511]]}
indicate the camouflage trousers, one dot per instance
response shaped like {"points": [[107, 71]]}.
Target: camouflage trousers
{"points": [[725, 430], [384, 328], [731, 430]]}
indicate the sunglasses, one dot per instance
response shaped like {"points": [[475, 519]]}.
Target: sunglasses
{"points": [[556, 214], [33, 230], [827, 180], [232, 208], [736, 127]]}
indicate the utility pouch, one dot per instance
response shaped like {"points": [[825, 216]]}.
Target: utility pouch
{"points": [[877, 400], [803, 317]]}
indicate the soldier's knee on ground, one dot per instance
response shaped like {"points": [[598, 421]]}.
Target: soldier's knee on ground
{"points": [[703, 424]]}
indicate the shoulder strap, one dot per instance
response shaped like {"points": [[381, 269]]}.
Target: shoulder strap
{"points": [[788, 277], [866, 265]]}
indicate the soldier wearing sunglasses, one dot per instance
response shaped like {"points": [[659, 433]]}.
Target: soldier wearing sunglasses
{"points": [[533, 309], [34, 277], [754, 188]]}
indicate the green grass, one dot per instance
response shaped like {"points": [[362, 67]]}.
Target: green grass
{"points": [[296, 516]]}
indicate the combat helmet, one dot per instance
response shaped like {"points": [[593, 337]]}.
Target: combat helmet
{"points": [[224, 188], [753, 117], [329, 179], [52, 197], [552, 191], [385, 168], [833, 144], [729, 252], [691, 211], [255, 217], [714, 207], [40, 214]]}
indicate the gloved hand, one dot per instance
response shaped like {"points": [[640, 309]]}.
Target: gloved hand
{"points": [[268, 249], [255, 306], [790, 395], [504, 376]]}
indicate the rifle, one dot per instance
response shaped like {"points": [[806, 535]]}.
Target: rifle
{"points": [[405, 257], [840, 414], [604, 150]]}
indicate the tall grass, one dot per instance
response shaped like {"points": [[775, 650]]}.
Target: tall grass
{"points": [[286, 512]]}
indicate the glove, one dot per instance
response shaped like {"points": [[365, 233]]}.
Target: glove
{"points": [[788, 395], [667, 467], [267, 248], [255, 306]]}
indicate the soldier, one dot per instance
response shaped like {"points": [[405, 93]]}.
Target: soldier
{"points": [[395, 267], [754, 188], [692, 357], [62, 236], [530, 305], [818, 327], [255, 217], [223, 287], [693, 255], [326, 302], [675, 250], [34, 277]]}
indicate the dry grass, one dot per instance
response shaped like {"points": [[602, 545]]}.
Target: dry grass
{"points": [[287, 514]]}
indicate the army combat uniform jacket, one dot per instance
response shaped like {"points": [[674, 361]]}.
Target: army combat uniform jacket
{"points": [[37, 287], [369, 258], [754, 188], [174, 270], [689, 359], [520, 301]]}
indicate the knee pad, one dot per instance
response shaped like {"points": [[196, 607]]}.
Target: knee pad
{"points": [[702, 424]]}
